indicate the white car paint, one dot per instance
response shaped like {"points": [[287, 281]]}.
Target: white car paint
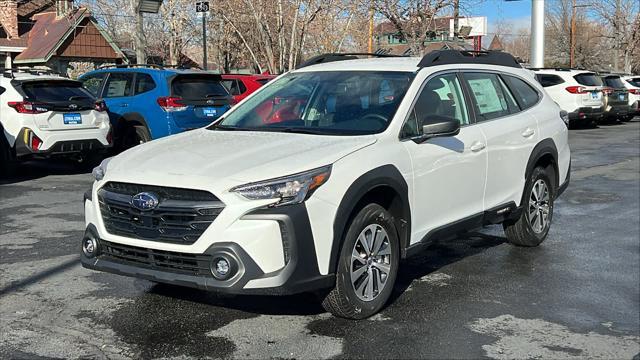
{"points": [[567, 101], [448, 179], [48, 126]]}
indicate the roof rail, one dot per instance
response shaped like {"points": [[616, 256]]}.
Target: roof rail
{"points": [[330, 57], [10, 72], [445, 57], [124, 66]]}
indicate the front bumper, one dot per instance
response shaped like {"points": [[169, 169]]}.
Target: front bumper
{"points": [[299, 274], [586, 113]]}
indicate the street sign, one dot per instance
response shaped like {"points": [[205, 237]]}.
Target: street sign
{"points": [[202, 6]]}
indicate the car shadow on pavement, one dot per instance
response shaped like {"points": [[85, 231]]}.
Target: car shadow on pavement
{"points": [[433, 258], [36, 169]]}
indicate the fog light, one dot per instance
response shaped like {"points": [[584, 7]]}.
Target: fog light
{"points": [[90, 247], [223, 267]]}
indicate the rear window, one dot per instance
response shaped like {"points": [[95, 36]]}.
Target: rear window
{"points": [[634, 82], [614, 82], [198, 87], [262, 81], [588, 79], [55, 91]]}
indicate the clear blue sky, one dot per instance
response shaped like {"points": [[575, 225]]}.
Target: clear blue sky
{"points": [[516, 12]]}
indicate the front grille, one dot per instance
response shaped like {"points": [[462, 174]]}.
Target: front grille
{"points": [[190, 264], [182, 215]]}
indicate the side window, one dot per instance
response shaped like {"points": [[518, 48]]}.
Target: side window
{"points": [[440, 99], [144, 83], [526, 96], [490, 96], [235, 87], [118, 84], [93, 83]]}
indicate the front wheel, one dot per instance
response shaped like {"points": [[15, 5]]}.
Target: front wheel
{"points": [[367, 267], [532, 227]]}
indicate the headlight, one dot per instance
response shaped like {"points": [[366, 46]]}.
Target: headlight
{"points": [[101, 170], [292, 189]]}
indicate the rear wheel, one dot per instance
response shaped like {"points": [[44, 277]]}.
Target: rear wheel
{"points": [[367, 267], [7, 161], [532, 227], [133, 135]]}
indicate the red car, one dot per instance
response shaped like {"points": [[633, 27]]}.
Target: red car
{"points": [[242, 85]]}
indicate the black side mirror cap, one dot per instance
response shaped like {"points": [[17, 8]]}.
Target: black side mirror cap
{"points": [[440, 128]]}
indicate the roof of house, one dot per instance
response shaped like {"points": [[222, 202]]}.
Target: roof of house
{"points": [[496, 44], [49, 32]]}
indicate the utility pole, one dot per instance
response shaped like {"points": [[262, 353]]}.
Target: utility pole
{"points": [[456, 16], [537, 33], [370, 48], [138, 34], [204, 41], [572, 34]]}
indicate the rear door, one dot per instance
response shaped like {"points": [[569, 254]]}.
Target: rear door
{"points": [[69, 106], [510, 129], [204, 98]]}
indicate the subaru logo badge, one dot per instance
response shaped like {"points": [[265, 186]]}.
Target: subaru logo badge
{"points": [[210, 102], [73, 106], [145, 201]]}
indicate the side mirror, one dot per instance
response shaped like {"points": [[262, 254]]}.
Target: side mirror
{"points": [[442, 127]]}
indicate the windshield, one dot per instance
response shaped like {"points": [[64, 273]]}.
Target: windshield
{"points": [[330, 103]]}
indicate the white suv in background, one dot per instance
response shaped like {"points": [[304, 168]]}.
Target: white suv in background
{"points": [[43, 115], [632, 83], [327, 177], [578, 92]]}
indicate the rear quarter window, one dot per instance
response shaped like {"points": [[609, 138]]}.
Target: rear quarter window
{"points": [[588, 79], [547, 80], [525, 95], [197, 86]]}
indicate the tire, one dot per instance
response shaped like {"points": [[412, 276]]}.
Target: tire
{"points": [[7, 162], [531, 228], [133, 135], [344, 300]]}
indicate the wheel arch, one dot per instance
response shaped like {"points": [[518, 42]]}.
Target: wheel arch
{"points": [[135, 119], [385, 186], [544, 154]]}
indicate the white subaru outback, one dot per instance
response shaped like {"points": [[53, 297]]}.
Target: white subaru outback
{"points": [[326, 178], [44, 115]]}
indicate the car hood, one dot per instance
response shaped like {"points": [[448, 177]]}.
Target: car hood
{"points": [[230, 158]]}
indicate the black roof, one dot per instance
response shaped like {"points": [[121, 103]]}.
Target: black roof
{"points": [[446, 57], [331, 57]]}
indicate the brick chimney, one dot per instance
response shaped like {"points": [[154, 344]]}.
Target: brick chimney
{"points": [[9, 18], [63, 7]]}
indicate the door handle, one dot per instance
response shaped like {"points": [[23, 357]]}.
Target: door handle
{"points": [[528, 132], [477, 146]]}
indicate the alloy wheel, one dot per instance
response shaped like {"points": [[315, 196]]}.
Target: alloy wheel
{"points": [[370, 262], [539, 206]]}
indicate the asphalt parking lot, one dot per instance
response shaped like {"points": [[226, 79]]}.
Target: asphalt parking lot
{"points": [[576, 296]]}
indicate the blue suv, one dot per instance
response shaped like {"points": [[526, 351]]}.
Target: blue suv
{"points": [[150, 102]]}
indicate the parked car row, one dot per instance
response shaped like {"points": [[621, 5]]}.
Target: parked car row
{"points": [[589, 97], [43, 114]]}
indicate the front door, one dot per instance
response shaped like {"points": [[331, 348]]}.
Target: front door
{"points": [[449, 173]]}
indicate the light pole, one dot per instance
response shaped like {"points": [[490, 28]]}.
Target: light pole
{"points": [[537, 33]]}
